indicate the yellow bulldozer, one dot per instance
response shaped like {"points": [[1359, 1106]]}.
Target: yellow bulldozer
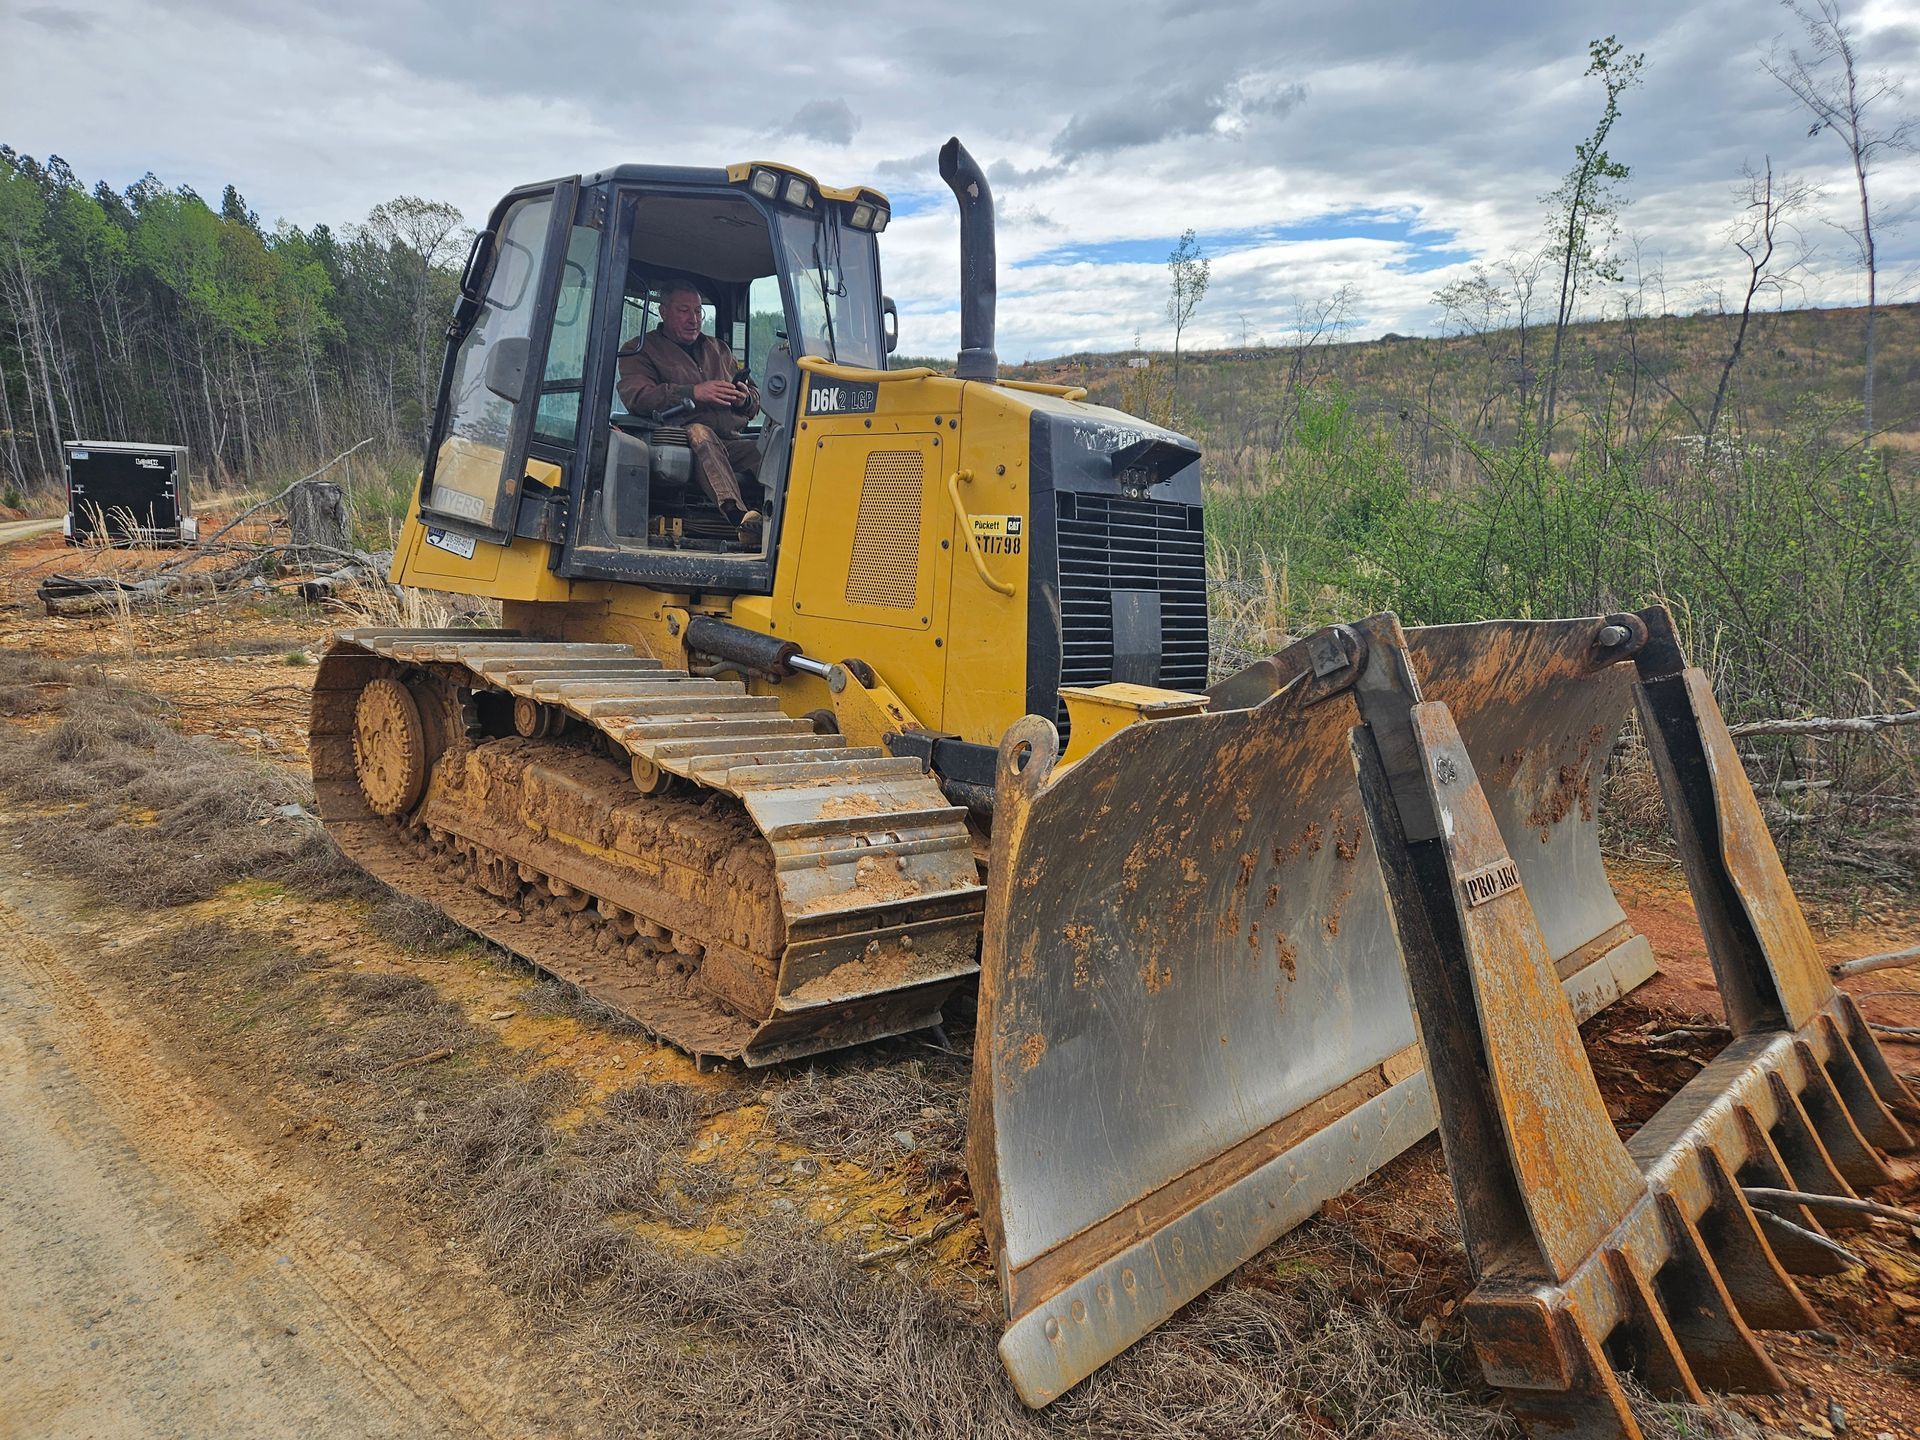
{"points": [[939, 727]]}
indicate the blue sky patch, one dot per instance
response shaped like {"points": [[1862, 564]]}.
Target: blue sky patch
{"points": [[1432, 246], [916, 202], [1435, 257]]}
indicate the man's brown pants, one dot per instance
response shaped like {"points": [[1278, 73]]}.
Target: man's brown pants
{"points": [[716, 457]]}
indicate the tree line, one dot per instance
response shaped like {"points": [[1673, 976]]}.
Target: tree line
{"points": [[149, 314]]}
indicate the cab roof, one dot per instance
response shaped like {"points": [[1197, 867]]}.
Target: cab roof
{"points": [[736, 174]]}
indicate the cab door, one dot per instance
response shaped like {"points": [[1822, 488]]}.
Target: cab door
{"points": [[496, 354]]}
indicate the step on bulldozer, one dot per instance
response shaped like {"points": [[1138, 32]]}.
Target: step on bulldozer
{"points": [[940, 720]]}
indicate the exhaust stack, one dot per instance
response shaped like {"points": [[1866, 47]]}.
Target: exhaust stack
{"points": [[977, 276]]}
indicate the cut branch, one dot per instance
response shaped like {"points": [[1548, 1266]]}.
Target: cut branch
{"points": [[1824, 725], [1891, 960], [918, 1242], [1837, 1204]]}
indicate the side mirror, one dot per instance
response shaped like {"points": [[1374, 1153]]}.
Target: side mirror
{"points": [[507, 367], [474, 274], [890, 323]]}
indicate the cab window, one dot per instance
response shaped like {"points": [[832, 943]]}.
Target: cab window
{"points": [[558, 418], [469, 465], [835, 276], [766, 324]]}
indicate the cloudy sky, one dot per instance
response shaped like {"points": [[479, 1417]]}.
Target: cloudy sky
{"points": [[1381, 144]]}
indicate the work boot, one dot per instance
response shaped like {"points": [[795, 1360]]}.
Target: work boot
{"points": [[751, 524]]}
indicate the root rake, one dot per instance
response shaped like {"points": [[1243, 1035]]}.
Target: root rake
{"points": [[1593, 1257]]}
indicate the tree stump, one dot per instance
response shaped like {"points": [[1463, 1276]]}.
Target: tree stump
{"points": [[318, 524]]}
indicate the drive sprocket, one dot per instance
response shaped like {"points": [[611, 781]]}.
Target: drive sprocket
{"points": [[389, 747]]}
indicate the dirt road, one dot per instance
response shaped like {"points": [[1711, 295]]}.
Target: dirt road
{"points": [[170, 1274], [26, 530]]}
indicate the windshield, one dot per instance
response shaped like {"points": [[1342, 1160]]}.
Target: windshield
{"points": [[836, 288]]}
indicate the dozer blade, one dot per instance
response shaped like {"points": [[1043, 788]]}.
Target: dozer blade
{"points": [[1194, 1025], [1592, 1256]]}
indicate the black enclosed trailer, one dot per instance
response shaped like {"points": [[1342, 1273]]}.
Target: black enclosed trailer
{"points": [[123, 492]]}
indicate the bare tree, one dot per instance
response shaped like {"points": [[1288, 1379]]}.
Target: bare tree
{"points": [[1319, 321], [1188, 272], [1315, 322], [1473, 304], [1476, 304], [1827, 81], [1758, 236], [1524, 270]]}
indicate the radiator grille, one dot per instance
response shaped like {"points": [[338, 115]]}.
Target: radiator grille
{"points": [[1109, 543], [885, 565]]}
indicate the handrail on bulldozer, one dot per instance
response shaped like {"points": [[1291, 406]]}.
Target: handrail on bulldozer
{"points": [[987, 577]]}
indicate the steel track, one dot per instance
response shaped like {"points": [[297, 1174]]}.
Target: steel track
{"points": [[785, 894]]}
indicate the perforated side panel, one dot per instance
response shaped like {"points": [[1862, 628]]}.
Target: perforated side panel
{"points": [[885, 566]]}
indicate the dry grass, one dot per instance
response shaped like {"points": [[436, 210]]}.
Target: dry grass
{"points": [[415, 926], [31, 685], [401, 606], [1248, 608], [877, 1103], [144, 815], [786, 1336]]}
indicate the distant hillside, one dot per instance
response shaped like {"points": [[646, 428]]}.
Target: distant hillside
{"points": [[1649, 381]]}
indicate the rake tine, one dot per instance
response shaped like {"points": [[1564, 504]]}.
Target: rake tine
{"points": [[1857, 1160], [1871, 1113], [1560, 1383], [1873, 1061], [1649, 1347], [1808, 1162], [1765, 1160], [1761, 1288], [1721, 1349]]}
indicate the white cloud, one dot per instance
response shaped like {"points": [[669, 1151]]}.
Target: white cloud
{"points": [[1105, 132]]}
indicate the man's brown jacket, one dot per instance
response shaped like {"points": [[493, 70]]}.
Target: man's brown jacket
{"points": [[662, 373]]}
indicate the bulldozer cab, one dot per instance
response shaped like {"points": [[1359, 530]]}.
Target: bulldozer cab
{"points": [[531, 437]]}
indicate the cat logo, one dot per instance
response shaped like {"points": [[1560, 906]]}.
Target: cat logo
{"points": [[997, 534]]}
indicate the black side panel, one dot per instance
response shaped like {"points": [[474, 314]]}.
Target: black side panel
{"points": [[1137, 637], [1118, 573]]}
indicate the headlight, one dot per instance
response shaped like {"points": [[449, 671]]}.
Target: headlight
{"points": [[797, 192], [862, 217], [880, 218], [765, 184]]}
